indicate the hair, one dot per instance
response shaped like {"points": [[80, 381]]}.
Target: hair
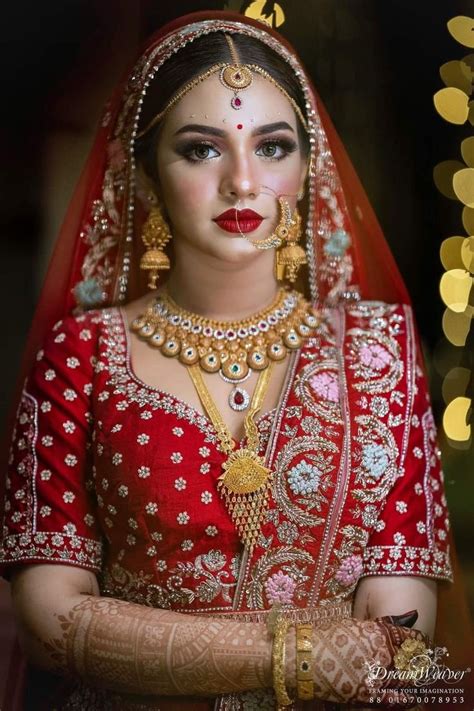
{"points": [[194, 59]]}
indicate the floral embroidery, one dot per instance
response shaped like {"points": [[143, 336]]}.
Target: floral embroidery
{"points": [[326, 385], [375, 459], [287, 532], [210, 575], [304, 478], [206, 497], [375, 356], [286, 558], [337, 243], [350, 570], [280, 588]]}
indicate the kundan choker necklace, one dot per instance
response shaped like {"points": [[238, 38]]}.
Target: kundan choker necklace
{"points": [[231, 348]]}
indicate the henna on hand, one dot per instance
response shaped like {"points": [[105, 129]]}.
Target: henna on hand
{"points": [[141, 650], [340, 652]]}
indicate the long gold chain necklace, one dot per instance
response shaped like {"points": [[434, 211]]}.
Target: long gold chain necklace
{"points": [[233, 349], [245, 481]]}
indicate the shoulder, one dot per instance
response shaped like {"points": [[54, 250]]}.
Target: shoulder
{"points": [[80, 331], [72, 344]]}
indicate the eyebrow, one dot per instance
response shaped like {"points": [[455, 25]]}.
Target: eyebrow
{"points": [[212, 131]]}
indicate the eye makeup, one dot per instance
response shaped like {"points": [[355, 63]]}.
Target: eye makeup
{"points": [[199, 151]]}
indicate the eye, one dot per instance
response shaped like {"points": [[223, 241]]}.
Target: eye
{"points": [[198, 152], [276, 149]]}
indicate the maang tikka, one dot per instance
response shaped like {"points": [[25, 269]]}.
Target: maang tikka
{"points": [[234, 75]]}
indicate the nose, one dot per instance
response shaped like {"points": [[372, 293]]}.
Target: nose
{"points": [[240, 179]]}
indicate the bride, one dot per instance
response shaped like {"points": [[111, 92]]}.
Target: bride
{"points": [[224, 487]]}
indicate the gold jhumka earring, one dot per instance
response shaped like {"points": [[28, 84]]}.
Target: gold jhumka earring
{"points": [[155, 235], [292, 256]]}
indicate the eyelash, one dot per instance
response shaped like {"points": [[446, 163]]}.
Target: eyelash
{"points": [[287, 145]]}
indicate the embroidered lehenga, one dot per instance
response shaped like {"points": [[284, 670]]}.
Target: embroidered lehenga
{"points": [[119, 477]]}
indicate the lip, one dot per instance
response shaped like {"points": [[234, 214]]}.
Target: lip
{"points": [[238, 227], [237, 215], [239, 221]]}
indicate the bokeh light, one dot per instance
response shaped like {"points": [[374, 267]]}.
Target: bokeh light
{"points": [[462, 29], [455, 288], [452, 104], [450, 253], [455, 419], [456, 327], [443, 175], [463, 185]]}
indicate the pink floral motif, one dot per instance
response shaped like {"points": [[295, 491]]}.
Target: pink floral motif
{"points": [[374, 356], [326, 386], [116, 154], [350, 570], [280, 588]]}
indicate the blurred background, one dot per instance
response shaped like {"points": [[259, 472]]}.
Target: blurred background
{"points": [[376, 66]]}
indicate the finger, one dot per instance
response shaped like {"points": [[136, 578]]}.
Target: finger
{"points": [[406, 619]]}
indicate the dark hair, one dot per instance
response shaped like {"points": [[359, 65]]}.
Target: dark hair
{"points": [[194, 59]]}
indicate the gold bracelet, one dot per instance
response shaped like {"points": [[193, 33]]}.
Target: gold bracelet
{"points": [[304, 662], [278, 662]]}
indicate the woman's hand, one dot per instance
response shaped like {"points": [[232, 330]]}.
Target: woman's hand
{"points": [[66, 627], [342, 652]]}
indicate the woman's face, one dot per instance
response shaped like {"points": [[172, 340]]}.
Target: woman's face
{"points": [[212, 158]]}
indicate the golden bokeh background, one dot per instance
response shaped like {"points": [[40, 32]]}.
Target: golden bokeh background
{"points": [[455, 180]]}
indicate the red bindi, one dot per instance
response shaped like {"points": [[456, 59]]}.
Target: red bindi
{"points": [[239, 126]]}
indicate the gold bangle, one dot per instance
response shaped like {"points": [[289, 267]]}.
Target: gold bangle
{"points": [[304, 662], [278, 662]]}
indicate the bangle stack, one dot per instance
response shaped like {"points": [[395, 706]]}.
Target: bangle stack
{"points": [[278, 662], [304, 662]]}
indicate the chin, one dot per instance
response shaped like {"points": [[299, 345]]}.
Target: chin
{"points": [[233, 250]]}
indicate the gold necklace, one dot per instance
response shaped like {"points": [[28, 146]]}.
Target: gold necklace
{"points": [[232, 348], [245, 481]]}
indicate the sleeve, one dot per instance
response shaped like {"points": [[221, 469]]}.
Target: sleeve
{"points": [[49, 512], [411, 536]]}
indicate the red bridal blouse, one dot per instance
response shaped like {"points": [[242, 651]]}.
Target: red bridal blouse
{"points": [[110, 474]]}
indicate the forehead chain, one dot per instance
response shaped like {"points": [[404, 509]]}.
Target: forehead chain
{"points": [[233, 50]]}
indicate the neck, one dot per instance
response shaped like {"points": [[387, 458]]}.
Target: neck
{"points": [[219, 290]]}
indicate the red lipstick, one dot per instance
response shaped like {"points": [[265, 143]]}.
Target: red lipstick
{"points": [[237, 221]]}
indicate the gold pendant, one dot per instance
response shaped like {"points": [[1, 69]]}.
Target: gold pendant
{"points": [[244, 472], [244, 485]]}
